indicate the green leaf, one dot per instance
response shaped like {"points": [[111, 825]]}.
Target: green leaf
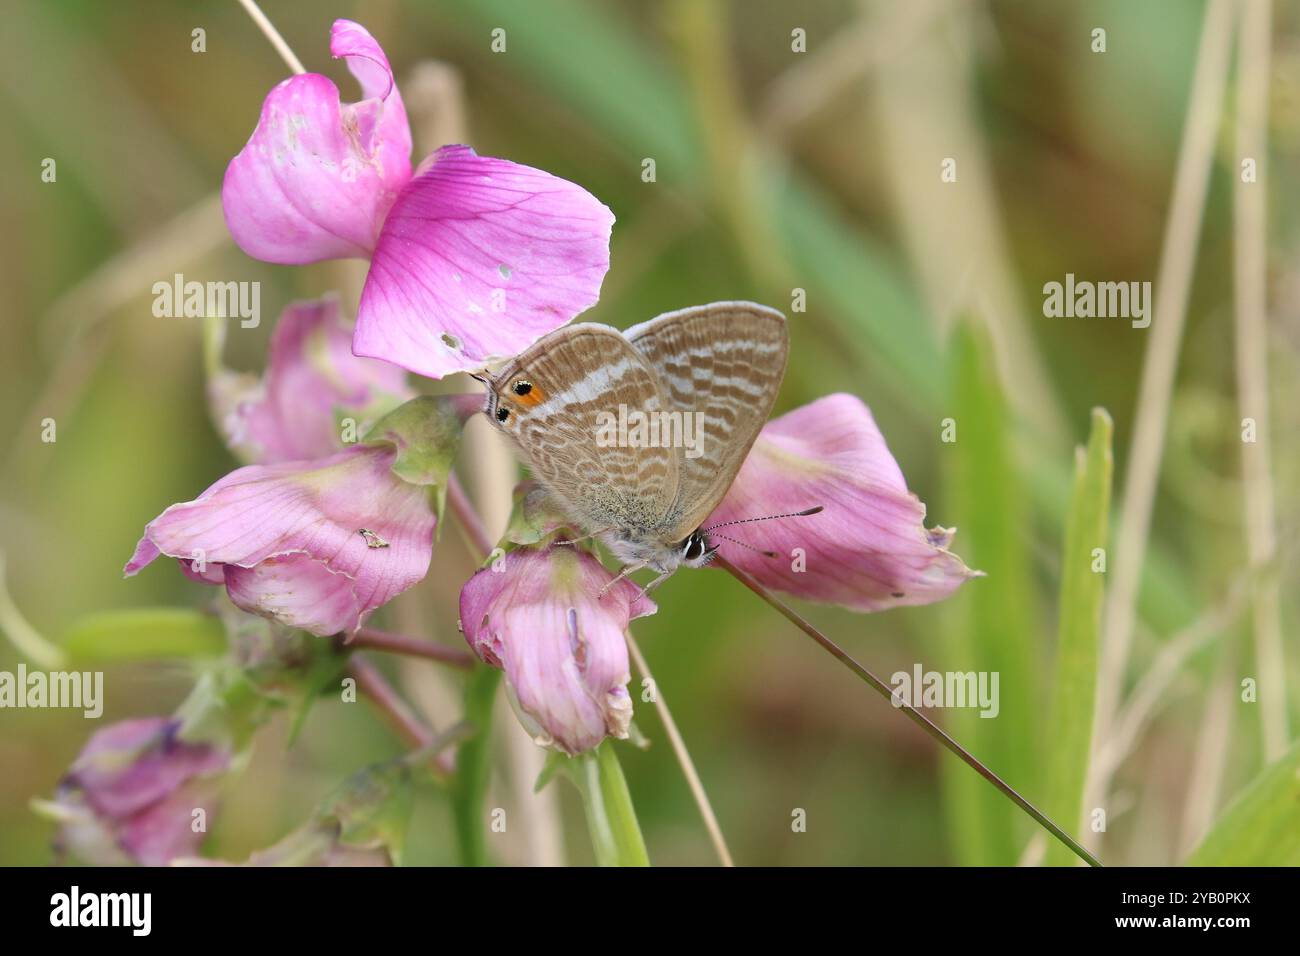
{"points": [[474, 767], [1069, 726], [1261, 827], [142, 633], [611, 819], [993, 620]]}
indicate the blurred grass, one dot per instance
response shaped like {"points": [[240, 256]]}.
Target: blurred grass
{"points": [[993, 619], [1080, 146], [143, 634], [1074, 687], [1261, 827]]}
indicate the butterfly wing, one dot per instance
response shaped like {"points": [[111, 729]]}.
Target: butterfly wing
{"points": [[726, 361], [573, 383]]}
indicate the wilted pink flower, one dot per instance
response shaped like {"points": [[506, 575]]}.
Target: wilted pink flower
{"points": [[130, 796], [536, 614], [316, 545], [312, 381], [869, 548], [471, 257]]}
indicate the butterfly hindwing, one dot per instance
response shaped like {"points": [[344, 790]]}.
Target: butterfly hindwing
{"points": [[573, 380], [725, 361]]}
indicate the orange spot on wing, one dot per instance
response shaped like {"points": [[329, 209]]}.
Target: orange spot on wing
{"points": [[535, 396]]}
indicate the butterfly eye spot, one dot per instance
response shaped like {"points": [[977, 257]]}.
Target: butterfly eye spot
{"points": [[503, 414], [522, 387]]}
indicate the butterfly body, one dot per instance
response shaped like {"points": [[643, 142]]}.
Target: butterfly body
{"points": [[696, 385]]}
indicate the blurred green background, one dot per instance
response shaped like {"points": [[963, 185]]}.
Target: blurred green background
{"points": [[776, 170]]}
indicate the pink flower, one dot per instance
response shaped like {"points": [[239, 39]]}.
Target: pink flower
{"points": [[868, 549], [131, 794], [471, 257], [536, 613], [312, 382], [316, 545]]}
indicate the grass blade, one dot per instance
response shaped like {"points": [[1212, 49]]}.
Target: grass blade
{"points": [[1078, 633], [992, 620], [1262, 826]]}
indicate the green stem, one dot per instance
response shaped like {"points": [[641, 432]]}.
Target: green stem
{"points": [[22, 635], [474, 767], [611, 819]]}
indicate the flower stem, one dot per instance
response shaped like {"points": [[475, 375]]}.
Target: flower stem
{"points": [[377, 640], [21, 634], [611, 819], [683, 758], [389, 703], [469, 519], [273, 35], [474, 767], [929, 726]]}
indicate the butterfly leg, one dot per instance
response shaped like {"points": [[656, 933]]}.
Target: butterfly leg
{"points": [[623, 572], [645, 591]]}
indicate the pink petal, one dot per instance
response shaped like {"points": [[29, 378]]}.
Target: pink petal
{"points": [[165, 830], [315, 509], [312, 375], [479, 258], [563, 648], [134, 787], [297, 588], [365, 58], [869, 549], [317, 177]]}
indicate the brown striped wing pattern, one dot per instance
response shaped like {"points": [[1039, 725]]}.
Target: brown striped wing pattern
{"points": [[569, 378], [725, 360]]}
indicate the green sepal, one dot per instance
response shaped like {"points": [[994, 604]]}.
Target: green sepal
{"points": [[554, 764], [223, 709], [535, 518], [285, 666], [372, 808], [426, 431]]}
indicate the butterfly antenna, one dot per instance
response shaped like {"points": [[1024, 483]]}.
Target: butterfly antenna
{"points": [[479, 377], [766, 554], [793, 514]]}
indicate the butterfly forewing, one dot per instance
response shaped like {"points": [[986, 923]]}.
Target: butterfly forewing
{"points": [[724, 361], [570, 379]]}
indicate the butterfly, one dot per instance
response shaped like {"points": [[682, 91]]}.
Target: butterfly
{"points": [[709, 373]]}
